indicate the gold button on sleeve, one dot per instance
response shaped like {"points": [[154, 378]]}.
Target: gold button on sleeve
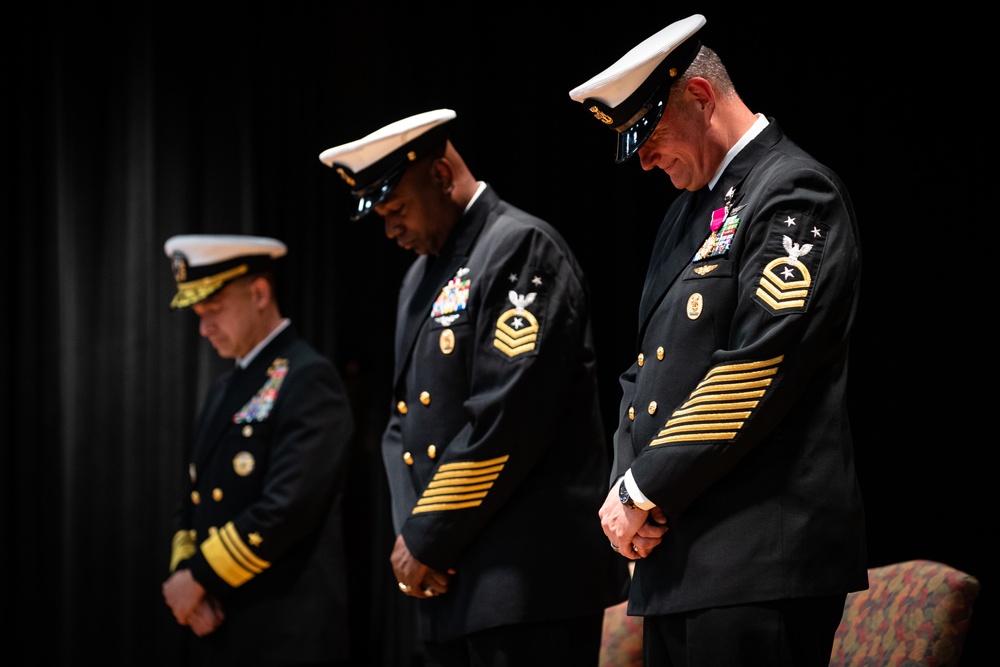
{"points": [[432, 451], [425, 397], [401, 407], [408, 458], [652, 407]]}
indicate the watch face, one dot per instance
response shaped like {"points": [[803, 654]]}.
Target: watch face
{"points": [[623, 494]]}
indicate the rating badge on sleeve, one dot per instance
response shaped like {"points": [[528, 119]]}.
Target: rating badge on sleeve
{"points": [[517, 328]]}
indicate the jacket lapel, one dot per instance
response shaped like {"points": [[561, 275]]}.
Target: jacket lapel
{"points": [[687, 223], [231, 394], [676, 243], [431, 274]]}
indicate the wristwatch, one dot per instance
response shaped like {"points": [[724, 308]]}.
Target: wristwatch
{"points": [[624, 497]]}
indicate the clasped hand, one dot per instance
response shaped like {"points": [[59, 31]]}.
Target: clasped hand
{"points": [[190, 603], [416, 579], [633, 532]]}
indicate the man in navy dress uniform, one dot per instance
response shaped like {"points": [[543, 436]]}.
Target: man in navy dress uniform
{"points": [[494, 450], [258, 567], [734, 433]]}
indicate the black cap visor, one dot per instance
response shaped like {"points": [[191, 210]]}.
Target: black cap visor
{"points": [[374, 194], [634, 136]]}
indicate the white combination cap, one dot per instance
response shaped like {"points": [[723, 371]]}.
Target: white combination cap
{"points": [[203, 263], [373, 165], [630, 95]]}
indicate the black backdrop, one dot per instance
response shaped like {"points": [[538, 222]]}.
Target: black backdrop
{"points": [[126, 127]]}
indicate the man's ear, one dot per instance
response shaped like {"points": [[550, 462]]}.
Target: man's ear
{"points": [[443, 174], [701, 90], [260, 290]]}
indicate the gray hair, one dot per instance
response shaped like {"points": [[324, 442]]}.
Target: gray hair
{"points": [[708, 65]]}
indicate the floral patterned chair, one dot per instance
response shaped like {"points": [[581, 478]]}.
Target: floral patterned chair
{"points": [[621, 641], [915, 613]]}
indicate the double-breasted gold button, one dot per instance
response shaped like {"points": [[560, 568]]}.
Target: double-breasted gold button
{"points": [[401, 407], [425, 397], [631, 413], [659, 353], [408, 458], [247, 430], [432, 451], [652, 407], [196, 497], [216, 494], [642, 359]]}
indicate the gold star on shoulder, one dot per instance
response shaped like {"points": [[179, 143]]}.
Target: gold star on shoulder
{"points": [[255, 539]]}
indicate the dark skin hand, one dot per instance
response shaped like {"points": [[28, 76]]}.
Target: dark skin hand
{"points": [[416, 579]]}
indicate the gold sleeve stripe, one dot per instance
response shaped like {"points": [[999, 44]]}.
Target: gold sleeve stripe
{"points": [[746, 366], [689, 428], [455, 497], [739, 405], [691, 437], [738, 377], [230, 557], [420, 509], [715, 401], [183, 547], [471, 465], [460, 485], [708, 416], [459, 474], [736, 386], [440, 487], [721, 414], [240, 549]]}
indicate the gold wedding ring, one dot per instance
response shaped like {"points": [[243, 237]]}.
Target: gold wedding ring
{"points": [[403, 587]]}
